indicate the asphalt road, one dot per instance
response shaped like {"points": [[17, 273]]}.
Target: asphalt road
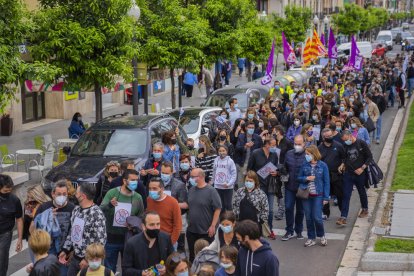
{"points": [[294, 258]]}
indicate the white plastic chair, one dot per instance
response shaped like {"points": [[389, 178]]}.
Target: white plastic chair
{"points": [[46, 165], [48, 143], [6, 165]]}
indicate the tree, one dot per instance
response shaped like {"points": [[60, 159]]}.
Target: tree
{"points": [[173, 36], [90, 41], [295, 24], [348, 20]]}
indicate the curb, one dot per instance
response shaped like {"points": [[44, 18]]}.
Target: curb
{"points": [[360, 247]]}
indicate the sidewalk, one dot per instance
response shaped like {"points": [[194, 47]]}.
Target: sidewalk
{"points": [[58, 128]]}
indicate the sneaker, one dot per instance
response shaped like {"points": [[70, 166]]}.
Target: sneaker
{"points": [[287, 237], [324, 241], [363, 213], [272, 236], [278, 218], [299, 236], [341, 221], [377, 142], [324, 217], [310, 243], [335, 202]]}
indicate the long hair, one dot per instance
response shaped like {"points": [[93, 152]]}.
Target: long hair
{"points": [[37, 194], [208, 146]]}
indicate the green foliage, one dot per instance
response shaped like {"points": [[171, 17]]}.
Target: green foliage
{"points": [[257, 41], [404, 174], [90, 41], [295, 24], [394, 245]]}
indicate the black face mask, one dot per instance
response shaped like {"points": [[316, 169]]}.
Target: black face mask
{"points": [[113, 174], [4, 196], [223, 138], [190, 147], [152, 233], [329, 140], [173, 141]]}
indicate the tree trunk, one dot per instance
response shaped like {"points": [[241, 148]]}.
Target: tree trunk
{"points": [[172, 88], [98, 102], [249, 70]]}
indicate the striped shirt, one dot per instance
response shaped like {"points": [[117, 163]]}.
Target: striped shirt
{"points": [[206, 164]]}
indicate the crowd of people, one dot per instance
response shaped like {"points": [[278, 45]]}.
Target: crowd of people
{"points": [[208, 209]]}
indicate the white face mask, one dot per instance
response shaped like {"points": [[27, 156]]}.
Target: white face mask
{"points": [[60, 200], [94, 265]]}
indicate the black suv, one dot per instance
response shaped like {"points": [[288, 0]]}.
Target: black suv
{"points": [[117, 138]]}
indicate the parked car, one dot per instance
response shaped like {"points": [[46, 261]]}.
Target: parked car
{"points": [[117, 138], [263, 89], [387, 37], [245, 97], [365, 48], [405, 26], [196, 121]]}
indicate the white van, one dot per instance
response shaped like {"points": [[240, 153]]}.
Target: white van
{"points": [[365, 48], [385, 36]]}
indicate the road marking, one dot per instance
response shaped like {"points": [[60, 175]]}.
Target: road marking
{"points": [[12, 250], [21, 272], [329, 236]]}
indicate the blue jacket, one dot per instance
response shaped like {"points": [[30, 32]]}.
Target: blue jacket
{"points": [[190, 79], [172, 156], [363, 135], [292, 132], [293, 162], [258, 263], [76, 129], [240, 150], [322, 183]]}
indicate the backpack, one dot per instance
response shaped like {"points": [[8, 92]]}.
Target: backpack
{"points": [[203, 257], [85, 270]]}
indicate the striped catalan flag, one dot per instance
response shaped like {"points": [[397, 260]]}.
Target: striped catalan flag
{"points": [[308, 53], [318, 45]]}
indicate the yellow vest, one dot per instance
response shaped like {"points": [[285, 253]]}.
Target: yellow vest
{"points": [[272, 90], [289, 90], [319, 91]]}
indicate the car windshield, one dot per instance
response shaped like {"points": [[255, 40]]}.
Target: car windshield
{"points": [[189, 121], [109, 142], [222, 100], [383, 37]]}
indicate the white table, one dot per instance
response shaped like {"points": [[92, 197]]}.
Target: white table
{"points": [[29, 152], [66, 141]]}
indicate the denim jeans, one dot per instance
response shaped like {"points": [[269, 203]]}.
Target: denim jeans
{"points": [[291, 217], [410, 86], [351, 179], [378, 128], [391, 96], [271, 201], [313, 213], [281, 206], [112, 251], [55, 251], [5, 242]]}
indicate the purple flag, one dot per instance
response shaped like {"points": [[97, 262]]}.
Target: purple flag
{"points": [[352, 57], [332, 47], [268, 77], [323, 39], [288, 53]]}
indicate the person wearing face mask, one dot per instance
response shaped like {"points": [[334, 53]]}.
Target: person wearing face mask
{"points": [[110, 173], [167, 208], [206, 156], [95, 253], [204, 207], [224, 234], [224, 177], [293, 161], [251, 202], [152, 166], [228, 259], [358, 157], [11, 205], [251, 116], [171, 151], [259, 159], [148, 249], [234, 111], [76, 128], [276, 90], [62, 209], [185, 169], [177, 265], [314, 176], [313, 79], [332, 153], [358, 130], [255, 257], [294, 129], [87, 226], [132, 203], [223, 139], [221, 122], [307, 132]]}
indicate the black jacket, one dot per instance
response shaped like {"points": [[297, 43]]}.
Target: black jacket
{"points": [[293, 162], [333, 155], [258, 160], [240, 151], [48, 266], [135, 256], [284, 145], [380, 102]]}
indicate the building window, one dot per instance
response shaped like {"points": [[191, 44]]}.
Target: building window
{"points": [[262, 5]]}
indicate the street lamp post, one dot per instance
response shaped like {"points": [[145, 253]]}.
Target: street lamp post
{"points": [[135, 13], [316, 22], [326, 23]]}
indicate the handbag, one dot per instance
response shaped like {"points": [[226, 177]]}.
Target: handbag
{"points": [[265, 229], [374, 174], [302, 193], [369, 125]]}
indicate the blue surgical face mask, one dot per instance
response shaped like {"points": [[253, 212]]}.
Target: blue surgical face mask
{"points": [[94, 265], [185, 166], [338, 129], [250, 116], [342, 109], [250, 131], [224, 117], [236, 105], [157, 155], [249, 184], [353, 126], [165, 177], [226, 229], [184, 273], [348, 142], [132, 185], [308, 157], [154, 195], [277, 87], [226, 266], [273, 149], [192, 181]]}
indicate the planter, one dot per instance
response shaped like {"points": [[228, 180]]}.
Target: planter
{"points": [[6, 126]]}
